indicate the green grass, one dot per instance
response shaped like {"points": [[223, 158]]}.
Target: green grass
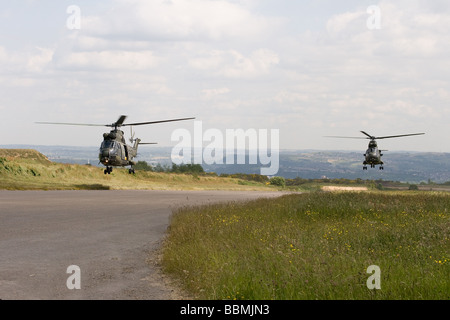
{"points": [[24, 169], [315, 245]]}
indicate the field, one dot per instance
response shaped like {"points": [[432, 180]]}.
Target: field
{"points": [[25, 169], [315, 245]]}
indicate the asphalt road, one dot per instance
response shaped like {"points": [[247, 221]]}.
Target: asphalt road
{"points": [[112, 236]]}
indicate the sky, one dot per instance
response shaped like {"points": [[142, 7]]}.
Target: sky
{"points": [[306, 68]]}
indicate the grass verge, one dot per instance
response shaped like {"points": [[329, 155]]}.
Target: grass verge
{"points": [[315, 245]]}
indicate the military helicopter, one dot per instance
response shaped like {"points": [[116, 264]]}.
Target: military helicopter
{"points": [[114, 152], [373, 154]]}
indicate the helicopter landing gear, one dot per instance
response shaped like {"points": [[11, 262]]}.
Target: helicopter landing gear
{"points": [[381, 168], [364, 168], [131, 171], [108, 170]]}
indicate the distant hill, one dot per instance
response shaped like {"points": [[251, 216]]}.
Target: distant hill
{"points": [[411, 167], [414, 167]]}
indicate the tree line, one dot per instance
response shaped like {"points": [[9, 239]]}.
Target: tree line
{"points": [[174, 168]]}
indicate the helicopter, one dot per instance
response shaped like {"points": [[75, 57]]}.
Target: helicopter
{"points": [[373, 154], [114, 151]]}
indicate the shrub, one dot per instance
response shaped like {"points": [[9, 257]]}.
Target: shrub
{"points": [[278, 181]]}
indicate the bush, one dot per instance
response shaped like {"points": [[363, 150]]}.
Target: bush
{"points": [[278, 181], [143, 166]]}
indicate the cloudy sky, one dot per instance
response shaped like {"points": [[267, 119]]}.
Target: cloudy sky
{"points": [[308, 68]]}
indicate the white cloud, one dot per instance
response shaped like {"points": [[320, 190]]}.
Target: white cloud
{"points": [[3, 55], [138, 35], [109, 60], [35, 61], [233, 64], [186, 20], [345, 23], [211, 93], [38, 62]]}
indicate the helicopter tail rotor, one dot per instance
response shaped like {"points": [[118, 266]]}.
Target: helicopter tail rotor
{"points": [[131, 134]]}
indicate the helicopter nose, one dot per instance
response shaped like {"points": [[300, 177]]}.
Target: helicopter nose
{"points": [[104, 155], [373, 156]]}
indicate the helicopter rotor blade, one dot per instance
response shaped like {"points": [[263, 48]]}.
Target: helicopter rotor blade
{"points": [[401, 135], [344, 137], [370, 137], [75, 124], [153, 122], [376, 138], [119, 122]]}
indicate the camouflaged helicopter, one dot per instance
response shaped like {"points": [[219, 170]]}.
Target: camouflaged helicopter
{"points": [[114, 151], [373, 155]]}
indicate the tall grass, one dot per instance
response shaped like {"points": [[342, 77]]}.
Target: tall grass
{"points": [[314, 246], [36, 173]]}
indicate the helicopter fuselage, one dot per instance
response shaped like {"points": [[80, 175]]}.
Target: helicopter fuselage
{"points": [[114, 152], [373, 156]]}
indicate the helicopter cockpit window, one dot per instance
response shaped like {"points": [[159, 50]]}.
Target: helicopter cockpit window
{"points": [[108, 144]]}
